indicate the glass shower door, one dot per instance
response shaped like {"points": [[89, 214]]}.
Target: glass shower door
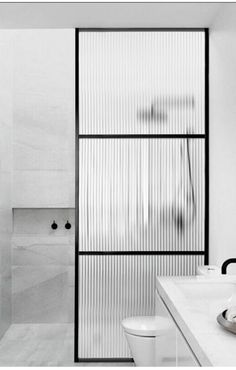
{"points": [[141, 172]]}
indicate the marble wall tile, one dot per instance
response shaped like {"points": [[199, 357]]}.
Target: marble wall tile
{"points": [[70, 307], [41, 188], [43, 268], [6, 121], [44, 123], [44, 301], [53, 158], [39, 253]]}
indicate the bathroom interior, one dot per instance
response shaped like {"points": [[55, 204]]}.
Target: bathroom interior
{"points": [[118, 178]]}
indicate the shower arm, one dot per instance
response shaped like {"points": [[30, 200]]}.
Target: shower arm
{"points": [[190, 172]]}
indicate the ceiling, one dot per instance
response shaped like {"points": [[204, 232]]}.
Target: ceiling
{"points": [[71, 15]]}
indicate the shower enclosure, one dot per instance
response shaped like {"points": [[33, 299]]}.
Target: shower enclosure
{"points": [[142, 175]]}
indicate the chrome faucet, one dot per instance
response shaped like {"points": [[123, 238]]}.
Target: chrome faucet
{"points": [[225, 265]]}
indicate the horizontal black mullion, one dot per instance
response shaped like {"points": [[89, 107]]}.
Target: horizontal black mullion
{"points": [[141, 253], [142, 136], [101, 359]]}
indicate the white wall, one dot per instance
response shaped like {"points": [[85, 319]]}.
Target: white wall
{"points": [[223, 135], [44, 126], [106, 14], [5, 179]]}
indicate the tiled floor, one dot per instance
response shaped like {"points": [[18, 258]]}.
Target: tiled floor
{"points": [[41, 345]]}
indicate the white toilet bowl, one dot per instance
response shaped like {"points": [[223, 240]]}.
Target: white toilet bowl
{"points": [[144, 334]]}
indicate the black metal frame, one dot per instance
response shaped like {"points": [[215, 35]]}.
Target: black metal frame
{"points": [[141, 136], [136, 136], [206, 260], [76, 304]]}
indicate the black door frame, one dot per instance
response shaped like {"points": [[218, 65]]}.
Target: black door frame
{"points": [[78, 136]]}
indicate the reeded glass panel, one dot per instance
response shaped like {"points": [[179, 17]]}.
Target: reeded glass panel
{"points": [[114, 287], [141, 82], [141, 195], [137, 194]]}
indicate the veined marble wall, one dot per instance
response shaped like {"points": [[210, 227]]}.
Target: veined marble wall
{"points": [[42, 266], [44, 120], [5, 179]]}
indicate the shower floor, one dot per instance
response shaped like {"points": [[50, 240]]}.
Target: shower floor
{"points": [[41, 345]]}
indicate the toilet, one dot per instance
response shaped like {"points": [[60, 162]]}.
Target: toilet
{"points": [[144, 334]]}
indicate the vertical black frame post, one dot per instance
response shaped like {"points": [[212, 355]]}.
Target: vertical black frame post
{"points": [[206, 259], [161, 136], [76, 298]]}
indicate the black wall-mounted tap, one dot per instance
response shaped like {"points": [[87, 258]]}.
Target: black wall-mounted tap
{"points": [[67, 225], [225, 265], [54, 225]]}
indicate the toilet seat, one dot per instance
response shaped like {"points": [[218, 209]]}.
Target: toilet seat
{"points": [[147, 326]]}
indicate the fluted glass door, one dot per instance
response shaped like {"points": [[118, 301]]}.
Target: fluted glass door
{"points": [[141, 164]]}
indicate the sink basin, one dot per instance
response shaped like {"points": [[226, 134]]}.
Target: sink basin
{"points": [[216, 295], [208, 290]]}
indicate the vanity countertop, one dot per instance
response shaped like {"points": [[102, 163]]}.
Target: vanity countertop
{"points": [[194, 303]]}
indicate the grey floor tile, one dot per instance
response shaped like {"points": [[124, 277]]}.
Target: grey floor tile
{"points": [[43, 345]]}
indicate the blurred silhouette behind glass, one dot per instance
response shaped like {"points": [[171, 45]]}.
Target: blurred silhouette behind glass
{"points": [[161, 107], [184, 207]]}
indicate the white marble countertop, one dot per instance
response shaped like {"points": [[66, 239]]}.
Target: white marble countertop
{"points": [[195, 308]]}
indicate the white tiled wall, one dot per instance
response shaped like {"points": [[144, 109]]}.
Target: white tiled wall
{"points": [[43, 266]]}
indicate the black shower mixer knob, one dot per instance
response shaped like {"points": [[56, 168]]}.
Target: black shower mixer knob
{"points": [[54, 225], [68, 225]]}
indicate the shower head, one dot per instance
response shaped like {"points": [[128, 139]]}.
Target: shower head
{"points": [[152, 115], [157, 113]]}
